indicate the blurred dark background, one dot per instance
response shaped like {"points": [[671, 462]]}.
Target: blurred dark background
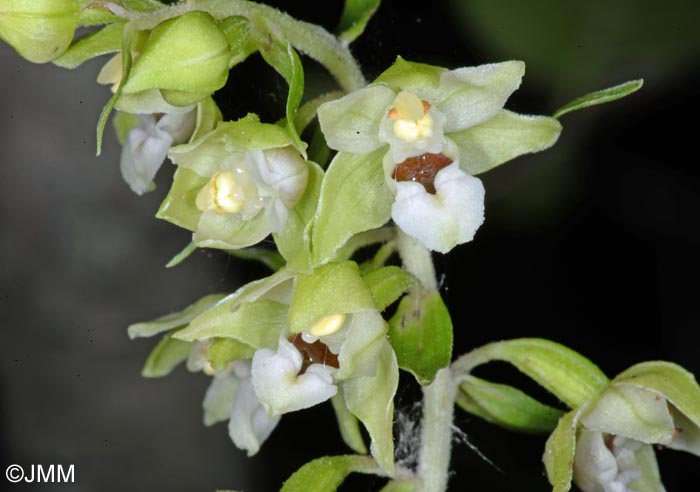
{"points": [[592, 243]]}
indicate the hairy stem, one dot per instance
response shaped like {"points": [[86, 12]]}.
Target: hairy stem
{"points": [[436, 432]]}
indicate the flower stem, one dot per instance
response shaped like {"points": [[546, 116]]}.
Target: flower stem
{"points": [[416, 259], [436, 432]]}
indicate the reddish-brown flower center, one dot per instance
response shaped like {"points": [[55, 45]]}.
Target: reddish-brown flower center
{"points": [[313, 353], [422, 169]]}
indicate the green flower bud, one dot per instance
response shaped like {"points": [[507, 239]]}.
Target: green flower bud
{"points": [[186, 58], [40, 30]]}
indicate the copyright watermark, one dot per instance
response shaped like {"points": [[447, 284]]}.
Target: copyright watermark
{"points": [[40, 474]]}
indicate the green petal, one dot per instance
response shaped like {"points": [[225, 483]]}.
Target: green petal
{"points": [[354, 198], [631, 412], [371, 399], [502, 138], [188, 54], [294, 243], [106, 40], [559, 453], [230, 231], [175, 320], [327, 473], [218, 399], [421, 334], [364, 340], [208, 117], [348, 424], [179, 206], [471, 95], [506, 406], [356, 14], [410, 75], [165, 357], [351, 123], [258, 324], [335, 288]]}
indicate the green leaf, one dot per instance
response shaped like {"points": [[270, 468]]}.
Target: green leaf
{"points": [[563, 372], [258, 324], [356, 14], [284, 59], [106, 40], [174, 320], [600, 97], [165, 357], [559, 453], [187, 54], [354, 198], [218, 398], [182, 255], [294, 242], [506, 406], [179, 206], [335, 288], [351, 123], [404, 74], [502, 138], [327, 473], [348, 424], [421, 334], [371, 399], [222, 351], [388, 284]]}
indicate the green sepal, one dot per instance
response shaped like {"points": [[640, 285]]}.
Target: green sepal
{"points": [[354, 198], [335, 288], [40, 30], [123, 123], [174, 320], [559, 452], [285, 60], [348, 424], [563, 372], [353, 21], [421, 334], [179, 206], [405, 74], [165, 357], [222, 351], [294, 243], [88, 16], [258, 324], [238, 32], [188, 55], [327, 473], [506, 406], [182, 255], [208, 117], [502, 138], [389, 283], [600, 97], [106, 40]]}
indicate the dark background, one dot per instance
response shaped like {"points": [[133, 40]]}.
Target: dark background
{"points": [[591, 244]]}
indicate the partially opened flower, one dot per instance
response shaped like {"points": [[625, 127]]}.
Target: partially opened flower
{"points": [[439, 127], [236, 184]]}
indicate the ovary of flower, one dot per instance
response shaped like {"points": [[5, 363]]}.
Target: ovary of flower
{"points": [[328, 325], [412, 121], [221, 195]]}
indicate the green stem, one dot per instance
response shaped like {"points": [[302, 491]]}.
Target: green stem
{"points": [[436, 432], [416, 259], [312, 40]]}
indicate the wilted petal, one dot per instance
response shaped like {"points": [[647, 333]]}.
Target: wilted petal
{"points": [[250, 425], [449, 217], [280, 387]]}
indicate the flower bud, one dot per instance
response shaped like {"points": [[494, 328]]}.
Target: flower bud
{"points": [[40, 30]]}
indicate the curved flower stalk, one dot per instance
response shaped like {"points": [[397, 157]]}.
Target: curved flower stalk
{"points": [[236, 184], [436, 128]]}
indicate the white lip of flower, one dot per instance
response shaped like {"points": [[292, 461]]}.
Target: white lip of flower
{"points": [[605, 468], [411, 127], [445, 219], [249, 425], [279, 386], [272, 179], [147, 145]]}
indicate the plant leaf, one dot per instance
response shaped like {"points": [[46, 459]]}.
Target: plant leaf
{"points": [[165, 357], [353, 21], [559, 453], [327, 473], [106, 40], [600, 97]]}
